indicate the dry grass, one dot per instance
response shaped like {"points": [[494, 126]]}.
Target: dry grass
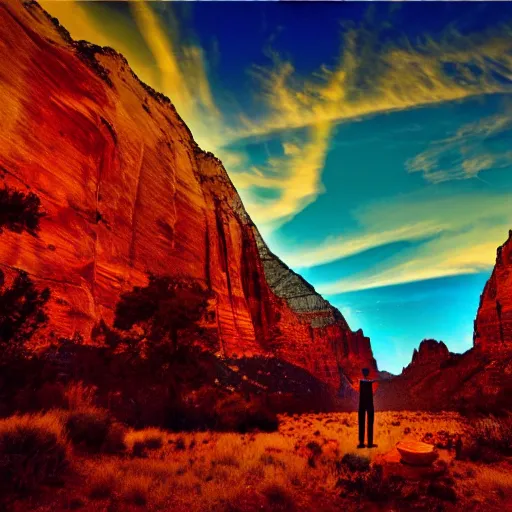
{"points": [[78, 395], [296, 468], [33, 450]]}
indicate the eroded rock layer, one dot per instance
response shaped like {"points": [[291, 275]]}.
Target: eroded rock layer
{"points": [[493, 324], [126, 191]]}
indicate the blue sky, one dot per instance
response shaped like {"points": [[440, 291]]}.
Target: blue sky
{"points": [[371, 144]]}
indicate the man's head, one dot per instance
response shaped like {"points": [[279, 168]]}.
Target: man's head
{"points": [[366, 372]]}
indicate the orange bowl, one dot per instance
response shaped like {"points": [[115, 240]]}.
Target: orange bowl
{"points": [[417, 453]]}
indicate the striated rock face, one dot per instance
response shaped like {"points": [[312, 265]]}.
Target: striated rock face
{"points": [[493, 324], [126, 191]]}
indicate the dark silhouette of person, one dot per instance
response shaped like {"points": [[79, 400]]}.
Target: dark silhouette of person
{"points": [[366, 409]]}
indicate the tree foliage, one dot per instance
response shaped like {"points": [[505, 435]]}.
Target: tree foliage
{"points": [[19, 211], [163, 308], [21, 311]]}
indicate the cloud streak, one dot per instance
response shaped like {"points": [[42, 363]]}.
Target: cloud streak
{"points": [[336, 248], [466, 151], [465, 244]]}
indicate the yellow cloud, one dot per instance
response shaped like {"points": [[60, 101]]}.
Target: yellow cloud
{"points": [[296, 176], [367, 78], [366, 81]]}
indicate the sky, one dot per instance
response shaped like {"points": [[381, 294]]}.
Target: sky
{"points": [[370, 143]]}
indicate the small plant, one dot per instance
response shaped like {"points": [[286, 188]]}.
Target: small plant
{"points": [[93, 429], [278, 497], [33, 450], [355, 462], [495, 433], [103, 481], [142, 440], [135, 489], [78, 395]]}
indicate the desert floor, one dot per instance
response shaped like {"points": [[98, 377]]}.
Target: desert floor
{"points": [[300, 467]]}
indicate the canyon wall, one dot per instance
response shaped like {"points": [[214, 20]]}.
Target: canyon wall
{"points": [[125, 191], [493, 324]]}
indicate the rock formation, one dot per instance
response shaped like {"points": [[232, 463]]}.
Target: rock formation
{"points": [[430, 352], [125, 190], [493, 324]]}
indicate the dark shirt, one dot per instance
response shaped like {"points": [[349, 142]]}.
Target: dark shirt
{"points": [[365, 394]]}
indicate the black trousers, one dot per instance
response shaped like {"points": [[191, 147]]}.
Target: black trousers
{"points": [[363, 411]]}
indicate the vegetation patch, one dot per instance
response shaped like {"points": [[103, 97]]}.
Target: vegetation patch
{"points": [[33, 451]]}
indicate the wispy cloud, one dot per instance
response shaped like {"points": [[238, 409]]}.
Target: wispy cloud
{"points": [[336, 248], [466, 244], [371, 77], [367, 79], [295, 175], [466, 154]]}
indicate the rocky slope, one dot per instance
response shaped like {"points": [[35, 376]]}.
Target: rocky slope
{"points": [[125, 191], [493, 324]]}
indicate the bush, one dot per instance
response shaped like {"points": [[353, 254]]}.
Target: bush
{"points": [[33, 450], [495, 433], [142, 440], [22, 312], [355, 462], [372, 485], [278, 497], [78, 395], [236, 414], [103, 480], [94, 430]]}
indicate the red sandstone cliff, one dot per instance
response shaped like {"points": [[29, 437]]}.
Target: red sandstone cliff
{"points": [[430, 352], [127, 191], [493, 324]]}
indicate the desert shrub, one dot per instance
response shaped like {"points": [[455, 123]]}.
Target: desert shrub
{"points": [[495, 433], [355, 462], [236, 414], [278, 497], [78, 395], [94, 430], [142, 440], [21, 312], [372, 485], [33, 450], [135, 488], [102, 481], [19, 211]]}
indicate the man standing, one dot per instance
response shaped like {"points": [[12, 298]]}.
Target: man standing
{"points": [[366, 408]]}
